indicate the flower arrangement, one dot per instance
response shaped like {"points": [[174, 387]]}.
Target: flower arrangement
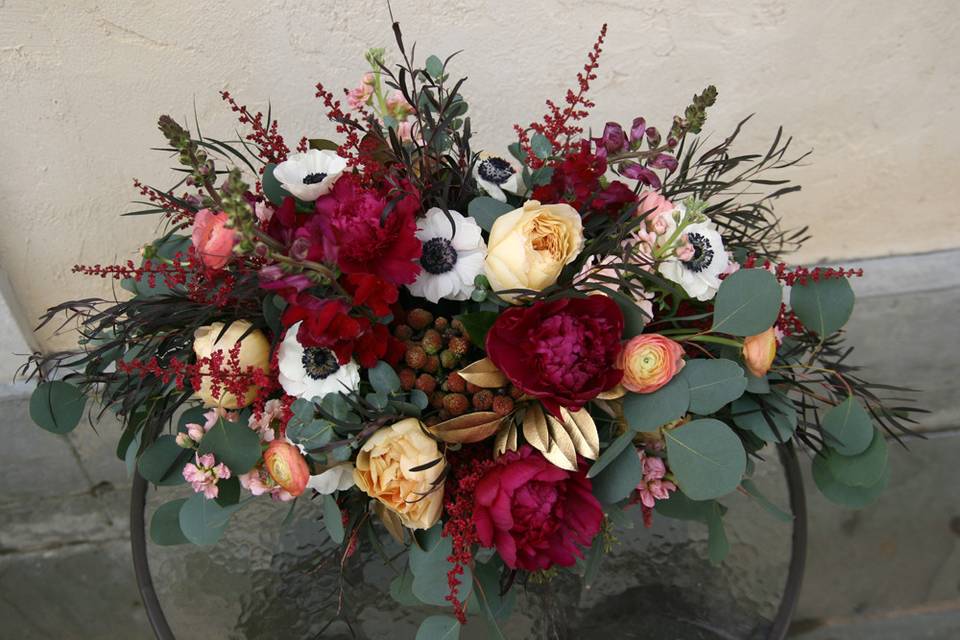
{"points": [[486, 358]]}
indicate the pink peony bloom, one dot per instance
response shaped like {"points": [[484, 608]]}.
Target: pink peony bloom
{"points": [[212, 239], [537, 515], [203, 474], [653, 486]]}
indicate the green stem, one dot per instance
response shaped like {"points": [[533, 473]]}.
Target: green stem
{"points": [[713, 340]]}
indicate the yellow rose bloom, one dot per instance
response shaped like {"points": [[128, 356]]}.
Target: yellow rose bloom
{"points": [[254, 352], [383, 472], [529, 247]]}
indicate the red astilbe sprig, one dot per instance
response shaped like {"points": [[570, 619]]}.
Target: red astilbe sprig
{"points": [[173, 207], [172, 274], [559, 124], [270, 144], [469, 466], [222, 369], [800, 275], [345, 124]]}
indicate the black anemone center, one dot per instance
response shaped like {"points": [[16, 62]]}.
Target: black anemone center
{"points": [[495, 170], [320, 362], [702, 252], [438, 256], [314, 178]]}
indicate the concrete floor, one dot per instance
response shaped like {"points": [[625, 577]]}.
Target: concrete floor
{"points": [[889, 572]]}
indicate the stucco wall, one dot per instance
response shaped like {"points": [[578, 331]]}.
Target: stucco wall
{"points": [[872, 87]]}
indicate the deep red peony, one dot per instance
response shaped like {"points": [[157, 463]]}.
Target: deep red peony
{"points": [[576, 181], [563, 352], [535, 514], [348, 222]]}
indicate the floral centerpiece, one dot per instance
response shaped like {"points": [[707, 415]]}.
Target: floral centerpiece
{"points": [[488, 358]]}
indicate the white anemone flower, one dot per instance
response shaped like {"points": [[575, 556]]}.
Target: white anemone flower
{"points": [[496, 175], [307, 176], [453, 256], [700, 274], [313, 372]]}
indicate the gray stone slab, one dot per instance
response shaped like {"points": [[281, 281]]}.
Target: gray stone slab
{"points": [[937, 624], [77, 592], [903, 551], [33, 462]]}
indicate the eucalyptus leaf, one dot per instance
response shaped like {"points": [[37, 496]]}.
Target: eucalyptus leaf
{"points": [[486, 210], [434, 67], [271, 186], [311, 435], [747, 303], [771, 417], [841, 494], [620, 477], [162, 462], [713, 383], [57, 406], [862, 470], [848, 427], [430, 570], [610, 454], [203, 521], [165, 524], [439, 627], [824, 305], [333, 520], [706, 457], [541, 146], [401, 589], [650, 411], [232, 443], [383, 378]]}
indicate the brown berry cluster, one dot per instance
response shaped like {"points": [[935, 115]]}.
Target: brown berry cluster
{"points": [[436, 349]]}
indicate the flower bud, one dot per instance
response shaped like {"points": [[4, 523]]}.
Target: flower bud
{"points": [[287, 467], [759, 352]]}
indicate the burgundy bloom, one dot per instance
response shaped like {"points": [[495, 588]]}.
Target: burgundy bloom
{"points": [[287, 286], [535, 514], [613, 140], [576, 181], [348, 222], [563, 352], [371, 292], [637, 129]]}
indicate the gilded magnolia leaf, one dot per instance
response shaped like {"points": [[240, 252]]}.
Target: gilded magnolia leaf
{"points": [[612, 394], [506, 440], [561, 440], [484, 373], [468, 428]]}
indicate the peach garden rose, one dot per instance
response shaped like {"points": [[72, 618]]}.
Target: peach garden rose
{"points": [[759, 352], [384, 471], [649, 361]]}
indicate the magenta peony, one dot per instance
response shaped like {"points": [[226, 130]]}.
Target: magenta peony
{"points": [[563, 352], [537, 515]]}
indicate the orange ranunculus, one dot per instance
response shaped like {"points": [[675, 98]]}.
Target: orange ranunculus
{"points": [[286, 466], [649, 361]]}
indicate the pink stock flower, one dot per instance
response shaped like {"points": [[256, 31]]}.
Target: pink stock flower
{"points": [[212, 239], [397, 105], [658, 210], [360, 96], [258, 482], [653, 486], [263, 425], [195, 431], [204, 473]]}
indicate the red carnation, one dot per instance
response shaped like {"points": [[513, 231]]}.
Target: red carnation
{"points": [[348, 222], [536, 514], [371, 292], [563, 352]]}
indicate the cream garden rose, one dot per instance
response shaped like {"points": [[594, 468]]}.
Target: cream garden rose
{"points": [[254, 352], [383, 471], [529, 247]]}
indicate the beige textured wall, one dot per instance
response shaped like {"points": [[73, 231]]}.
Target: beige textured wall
{"points": [[872, 87]]}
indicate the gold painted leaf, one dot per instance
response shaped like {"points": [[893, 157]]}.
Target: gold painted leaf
{"points": [[506, 440], [484, 373], [562, 449], [612, 394], [391, 521], [468, 428], [535, 427], [582, 430]]}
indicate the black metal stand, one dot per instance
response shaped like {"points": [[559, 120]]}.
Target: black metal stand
{"points": [[778, 631]]}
